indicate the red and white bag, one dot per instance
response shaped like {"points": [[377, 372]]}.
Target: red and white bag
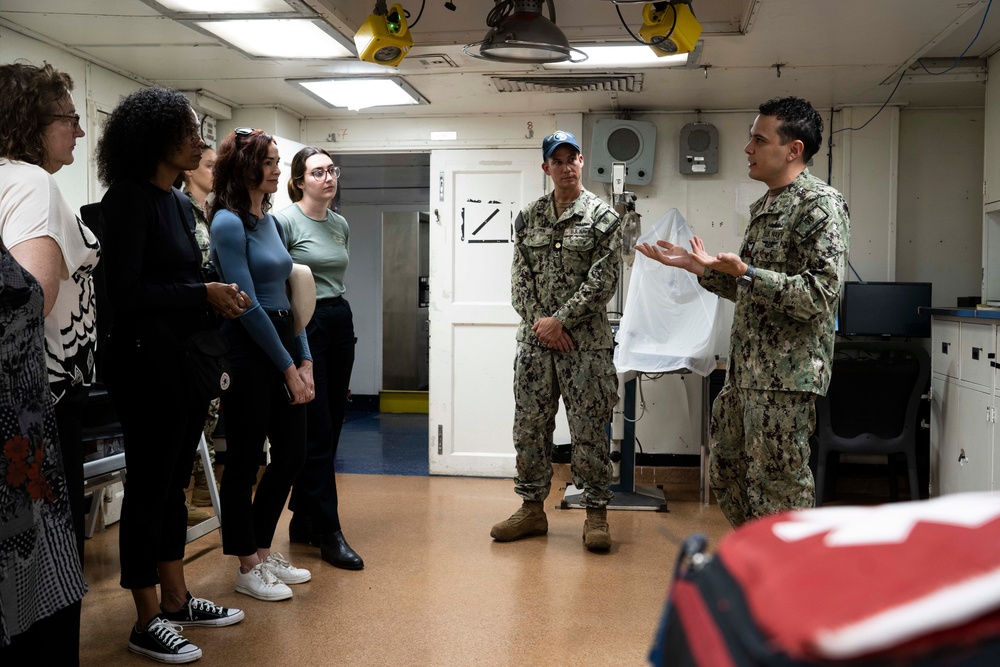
{"points": [[914, 583]]}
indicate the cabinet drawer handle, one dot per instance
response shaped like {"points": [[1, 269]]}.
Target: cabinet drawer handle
{"points": [[962, 459], [975, 353], [944, 347]]}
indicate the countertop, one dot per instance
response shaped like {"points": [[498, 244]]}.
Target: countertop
{"points": [[979, 314]]}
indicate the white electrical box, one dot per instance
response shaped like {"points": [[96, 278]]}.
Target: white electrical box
{"points": [[618, 178]]}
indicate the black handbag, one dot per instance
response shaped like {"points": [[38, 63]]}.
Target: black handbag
{"points": [[206, 363], [204, 360]]}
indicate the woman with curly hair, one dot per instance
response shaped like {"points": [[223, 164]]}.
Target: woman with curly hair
{"points": [[39, 128], [157, 298], [271, 366], [41, 581]]}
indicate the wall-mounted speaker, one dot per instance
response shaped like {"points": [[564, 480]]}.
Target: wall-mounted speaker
{"points": [[699, 149], [630, 141]]}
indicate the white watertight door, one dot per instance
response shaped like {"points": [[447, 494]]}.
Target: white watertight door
{"points": [[475, 196]]}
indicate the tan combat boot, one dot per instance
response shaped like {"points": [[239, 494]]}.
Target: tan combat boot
{"points": [[196, 515], [596, 535], [528, 521], [199, 492]]}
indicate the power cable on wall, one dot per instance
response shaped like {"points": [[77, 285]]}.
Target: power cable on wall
{"points": [[896, 87], [829, 152]]}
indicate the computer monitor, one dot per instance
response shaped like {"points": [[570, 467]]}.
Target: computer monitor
{"points": [[885, 309]]}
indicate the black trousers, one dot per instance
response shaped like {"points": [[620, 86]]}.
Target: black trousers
{"points": [[69, 422], [161, 423], [53, 640], [256, 406], [331, 342]]}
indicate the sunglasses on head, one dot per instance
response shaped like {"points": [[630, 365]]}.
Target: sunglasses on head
{"points": [[248, 131]]}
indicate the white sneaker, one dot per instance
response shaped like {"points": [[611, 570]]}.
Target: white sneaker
{"points": [[261, 584], [284, 571]]}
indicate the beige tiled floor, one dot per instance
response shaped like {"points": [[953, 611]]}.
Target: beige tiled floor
{"points": [[436, 590]]}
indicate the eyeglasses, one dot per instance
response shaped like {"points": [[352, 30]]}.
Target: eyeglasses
{"points": [[320, 174], [73, 118]]}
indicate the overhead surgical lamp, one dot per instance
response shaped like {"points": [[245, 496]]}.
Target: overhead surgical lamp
{"points": [[520, 34], [384, 38], [669, 28]]}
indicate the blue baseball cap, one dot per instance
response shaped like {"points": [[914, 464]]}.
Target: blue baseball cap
{"points": [[556, 139]]}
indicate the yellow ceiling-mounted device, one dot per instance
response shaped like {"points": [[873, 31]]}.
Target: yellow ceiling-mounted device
{"points": [[669, 28], [384, 38]]}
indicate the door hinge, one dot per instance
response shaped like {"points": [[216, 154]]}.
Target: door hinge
{"points": [[440, 440]]}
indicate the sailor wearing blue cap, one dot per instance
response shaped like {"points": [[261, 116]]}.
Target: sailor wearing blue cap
{"points": [[556, 139], [565, 270]]}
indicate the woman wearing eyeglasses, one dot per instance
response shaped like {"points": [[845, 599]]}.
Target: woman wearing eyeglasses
{"points": [[39, 128], [271, 366], [318, 237]]}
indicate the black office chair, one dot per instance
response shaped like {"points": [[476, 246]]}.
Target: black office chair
{"points": [[872, 407]]}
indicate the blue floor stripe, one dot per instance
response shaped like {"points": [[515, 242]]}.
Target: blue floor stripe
{"points": [[374, 443]]}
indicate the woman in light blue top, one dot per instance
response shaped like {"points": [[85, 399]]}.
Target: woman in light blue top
{"points": [[271, 366], [318, 237]]}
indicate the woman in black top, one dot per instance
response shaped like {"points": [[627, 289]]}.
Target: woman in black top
{"points": [[157, 298]]}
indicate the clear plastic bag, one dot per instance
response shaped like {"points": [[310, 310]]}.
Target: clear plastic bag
{"points": [[670, 322]]}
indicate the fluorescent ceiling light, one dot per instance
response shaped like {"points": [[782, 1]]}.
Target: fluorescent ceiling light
{"points": [[278, 38], [622, 55], [227, 6], [356, 94]]}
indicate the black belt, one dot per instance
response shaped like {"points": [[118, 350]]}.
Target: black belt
{"points": [[330, 300], [279, 313]]}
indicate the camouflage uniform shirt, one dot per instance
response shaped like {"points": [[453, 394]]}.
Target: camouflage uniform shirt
{"points": [[566, 268], [201, 234], [783, 326]]}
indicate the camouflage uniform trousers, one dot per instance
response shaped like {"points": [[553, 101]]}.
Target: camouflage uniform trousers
{"points": [[759, 459], [589, 387], [211, 421]]}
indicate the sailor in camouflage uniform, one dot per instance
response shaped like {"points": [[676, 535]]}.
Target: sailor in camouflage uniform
{"points": [[197, 185], [565, 270], [785, 282]]}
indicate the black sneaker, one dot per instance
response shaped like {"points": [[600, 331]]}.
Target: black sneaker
{"points": [[197, 611], [162, 641]]}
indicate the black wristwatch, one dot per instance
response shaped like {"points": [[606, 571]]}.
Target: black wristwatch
{"points": [[746, 280]]}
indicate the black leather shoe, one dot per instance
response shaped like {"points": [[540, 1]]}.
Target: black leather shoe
{"points": [[300, 530], [335, 550]]}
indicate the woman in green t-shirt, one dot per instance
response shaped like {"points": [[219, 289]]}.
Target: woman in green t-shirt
{"points": [[318, 237]]}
